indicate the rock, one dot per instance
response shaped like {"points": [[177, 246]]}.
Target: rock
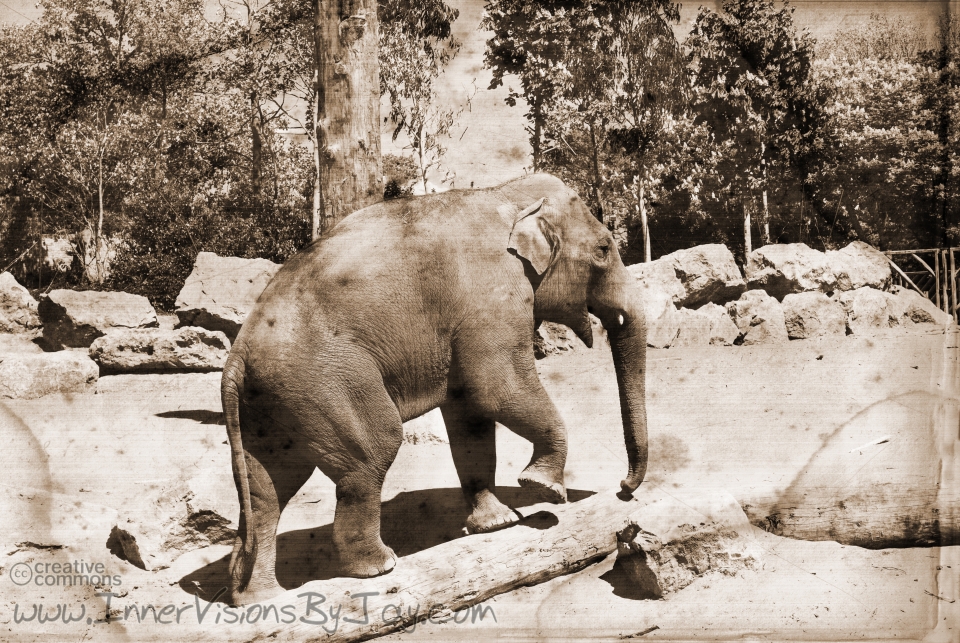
{"points": [[56, 253], [660, 276], [154, 535], [709, 324], [694, 276], [12, 343], [677, 542], [18, 309], [221, 291], [782, 269], [155, 349], [552, 339], [708, 274], [97, 264], [868, 309], [663, 319], [918, 309], [759, 317], [74, 319], [811, 314], [858, 265], [28, 376]]}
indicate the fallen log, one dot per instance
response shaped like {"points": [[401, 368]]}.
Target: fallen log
{"points": [[666, 554], [440, 584], [884, 479]]}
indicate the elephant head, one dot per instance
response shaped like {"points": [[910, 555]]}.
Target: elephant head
{"points": [[573, 263]]}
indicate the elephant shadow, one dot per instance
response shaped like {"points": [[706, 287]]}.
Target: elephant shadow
{"points": [[202, 416], [411, 522]]}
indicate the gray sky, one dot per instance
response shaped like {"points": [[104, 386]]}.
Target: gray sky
{"points": [[491, 146]]}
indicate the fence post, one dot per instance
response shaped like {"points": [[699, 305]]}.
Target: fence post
{"points": [[943, 286], [953, 286], [936, 285]]}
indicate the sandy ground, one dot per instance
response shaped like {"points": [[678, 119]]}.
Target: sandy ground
{"points": [[748, 420]]}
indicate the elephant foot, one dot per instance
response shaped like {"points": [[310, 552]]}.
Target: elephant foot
{"points": [[490, 514], [548, 488], [259, 593], [367, 564]]}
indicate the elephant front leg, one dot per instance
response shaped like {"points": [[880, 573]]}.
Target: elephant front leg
{"points": [[520, 403], [473, 445], [531, 414]]}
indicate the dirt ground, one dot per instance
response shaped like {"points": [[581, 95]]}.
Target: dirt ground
{"points": [[747, 420]]}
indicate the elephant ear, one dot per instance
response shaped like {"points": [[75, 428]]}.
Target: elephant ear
{"points": [[532, 238]]}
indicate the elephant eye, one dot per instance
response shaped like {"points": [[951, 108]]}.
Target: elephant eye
{"points": [[603, 250]]}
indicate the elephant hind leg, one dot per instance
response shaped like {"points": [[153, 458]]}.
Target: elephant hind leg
{"points": [[369, 431], [273, 482], [473, 445]]}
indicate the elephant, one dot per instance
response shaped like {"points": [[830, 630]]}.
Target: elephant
{"points": [[405, 306]]}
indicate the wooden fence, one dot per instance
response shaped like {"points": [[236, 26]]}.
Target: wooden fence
{"points": [[931, 272]]}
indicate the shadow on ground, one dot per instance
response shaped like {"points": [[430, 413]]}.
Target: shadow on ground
{"points": [[626, 587], [202, 416], [410, 522]]}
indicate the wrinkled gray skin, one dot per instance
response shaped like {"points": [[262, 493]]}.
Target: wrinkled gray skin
{"points": [[404, 307]]}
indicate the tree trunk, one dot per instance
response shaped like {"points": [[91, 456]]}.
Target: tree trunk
{"points": [[748, 246], [348, 92], [257, 145], [766, 217], [537, 134], [646, 228], [316, 211], [421, 144], [595, 156]]}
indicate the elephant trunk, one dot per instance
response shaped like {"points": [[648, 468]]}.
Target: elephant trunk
{"points": [[621, 312]]}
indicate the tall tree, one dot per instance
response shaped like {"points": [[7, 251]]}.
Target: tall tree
{"points": [[347, 108], [751, 70], [411, 63], [605, 86], [888, 160]]}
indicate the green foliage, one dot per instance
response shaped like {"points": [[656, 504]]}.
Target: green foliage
{"points": [[139, 121], [751, 76], [399, 173], [891, 162], [603, 83], [413, 50]]}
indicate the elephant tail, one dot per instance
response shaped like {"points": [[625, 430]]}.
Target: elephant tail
{"points": [[245, 551]]}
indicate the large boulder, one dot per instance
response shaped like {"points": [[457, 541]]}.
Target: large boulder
{"points": [[553, 339], [858, 265], [56, 253], [28, 376], [708, 274], [759, 317], [18, 309], [11, 343], [918, 309], [694, 276], [782, 269], [709, 324], [662, 316], [221, 291], [811, 314], [75, 318], [659, 276], [156, 349], [869, 309], [158, 530]]}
